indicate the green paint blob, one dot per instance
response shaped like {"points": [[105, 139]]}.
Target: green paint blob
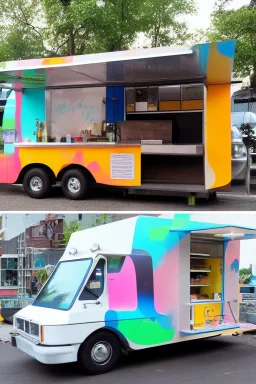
{"points": [[145, 332], [158, 234]]}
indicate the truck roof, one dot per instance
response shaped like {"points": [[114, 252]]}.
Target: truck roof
{"points": [[209, 62], [145, 233]]}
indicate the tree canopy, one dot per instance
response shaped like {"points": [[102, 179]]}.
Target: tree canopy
{"points": [[45, 28], [239, 25]]}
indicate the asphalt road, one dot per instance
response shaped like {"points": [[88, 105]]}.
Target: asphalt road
{"points": [[13, 198], [225, 360]]}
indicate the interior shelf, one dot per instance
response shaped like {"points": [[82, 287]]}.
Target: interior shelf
{"points": [[199, 285], [200, 270], [197, 302], [200, 254]]}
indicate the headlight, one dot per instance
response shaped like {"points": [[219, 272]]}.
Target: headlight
{"points": [[238, 151]]}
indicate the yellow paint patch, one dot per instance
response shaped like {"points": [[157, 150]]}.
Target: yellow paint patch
{"points": [[57, 60], [219, 67], [96, 159], [218, 137]]}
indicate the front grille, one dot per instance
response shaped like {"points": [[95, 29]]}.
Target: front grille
{"points": [[34, 329], [20, 324], [27, 326], [27, 330]]}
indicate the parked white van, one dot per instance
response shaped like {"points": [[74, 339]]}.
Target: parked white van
{"points": [[239, 118]]}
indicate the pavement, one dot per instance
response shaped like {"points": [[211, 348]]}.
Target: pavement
{"points": [[225, 360], [5, 330], [13, 198]]}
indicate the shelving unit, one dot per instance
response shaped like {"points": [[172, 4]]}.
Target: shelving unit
{"points": [[205, 302]]}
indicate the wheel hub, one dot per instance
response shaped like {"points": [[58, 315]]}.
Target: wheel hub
{"points": [[36, 184], [74, 185], [101, 352]]}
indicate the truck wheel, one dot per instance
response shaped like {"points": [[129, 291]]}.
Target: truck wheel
{"points": [[75, 184], [100, 353], [37, 183]]}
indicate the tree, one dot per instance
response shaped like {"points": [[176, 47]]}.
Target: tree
{"points": [[104, 218], [245, 275], [250, 143], [46, 28], [162, 21], [239, 25], [70, 228]]}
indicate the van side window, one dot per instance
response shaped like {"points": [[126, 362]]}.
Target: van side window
{"points": [[95, 285]]}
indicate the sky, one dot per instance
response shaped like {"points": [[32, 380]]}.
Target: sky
{"points": [[205, 8]]}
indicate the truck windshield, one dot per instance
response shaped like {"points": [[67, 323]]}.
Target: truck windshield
{"points": [[64, 284]]}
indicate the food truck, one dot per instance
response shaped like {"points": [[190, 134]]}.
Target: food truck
{"points": [[151, 119], [134, 284]]}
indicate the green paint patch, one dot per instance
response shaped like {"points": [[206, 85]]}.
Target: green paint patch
{"points": [[145, 332], [159, 234]]}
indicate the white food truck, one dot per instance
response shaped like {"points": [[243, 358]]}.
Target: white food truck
{"points": [[134, 284]]}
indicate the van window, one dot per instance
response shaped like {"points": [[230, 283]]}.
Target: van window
{"points": [[115, 264], [95, 285]]}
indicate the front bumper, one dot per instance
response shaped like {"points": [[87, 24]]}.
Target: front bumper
{"points": [[45, 354]]}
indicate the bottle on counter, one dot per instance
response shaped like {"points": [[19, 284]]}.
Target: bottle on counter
{"points": [[44, 135], [68, 138]]}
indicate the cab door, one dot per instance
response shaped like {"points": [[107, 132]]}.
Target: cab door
{"points": [[93, 296]]}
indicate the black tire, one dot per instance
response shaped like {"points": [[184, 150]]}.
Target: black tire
{"points": [[37, 175], [84, 185], [92, 345]]}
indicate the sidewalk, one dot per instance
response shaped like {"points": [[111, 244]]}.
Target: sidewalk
{"points": [[5, 329]]}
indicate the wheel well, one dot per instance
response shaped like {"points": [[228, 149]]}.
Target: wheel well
{"points": [[123, 341], [35, 165], [76, 166]]}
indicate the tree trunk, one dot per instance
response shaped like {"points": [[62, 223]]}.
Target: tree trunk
{"points": [[248, 172], [71, 43]]}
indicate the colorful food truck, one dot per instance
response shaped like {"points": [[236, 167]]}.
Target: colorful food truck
{"points": [[134, 284], [152, 119]]}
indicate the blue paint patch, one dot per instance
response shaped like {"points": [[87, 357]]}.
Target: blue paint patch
{"points": [[143, 238], [235, 266], [33, 107], [202, 51], [227, 48]]}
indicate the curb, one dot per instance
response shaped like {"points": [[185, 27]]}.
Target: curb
{"points": [[227, 196]]}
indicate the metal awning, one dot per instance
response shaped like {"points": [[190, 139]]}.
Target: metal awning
{"points": [[211, 63], [209, 230]]}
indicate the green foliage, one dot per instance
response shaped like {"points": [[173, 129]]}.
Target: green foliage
{"points": [[45, 28], [245, 275], [248, 135], [42, 276], [70, 228], [104, 218], [239, 25], [162, 24]]}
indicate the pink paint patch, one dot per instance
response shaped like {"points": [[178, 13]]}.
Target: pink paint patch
{"points": [[94, 167], [18, 113], [231, 276], [79, 158], [166, 283], [13, 166], [122, 288]]}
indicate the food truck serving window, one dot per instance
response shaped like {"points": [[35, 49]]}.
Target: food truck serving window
{"points": [[64, 284]]}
